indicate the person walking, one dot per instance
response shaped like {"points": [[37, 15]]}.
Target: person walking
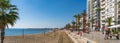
{"points": [[111, 32], [106, 34]]}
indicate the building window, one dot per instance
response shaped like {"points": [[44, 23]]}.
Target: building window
{"points": [[118, 12], [118, 17], [103, 12], [103, 20], [102, 0], [119, 5], [118, 22]]}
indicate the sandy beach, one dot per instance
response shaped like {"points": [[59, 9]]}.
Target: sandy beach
{"points": [[58, 36]]}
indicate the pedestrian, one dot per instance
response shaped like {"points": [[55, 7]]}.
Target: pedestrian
{"points": [[103, 29], [111, 32], [106, 34]]}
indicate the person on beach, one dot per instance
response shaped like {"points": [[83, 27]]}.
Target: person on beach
{"points": [[107, 32]]}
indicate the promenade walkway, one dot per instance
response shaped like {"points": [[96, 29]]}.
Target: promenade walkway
{"points": [[93, 37], [99, 38], [77, 38]]}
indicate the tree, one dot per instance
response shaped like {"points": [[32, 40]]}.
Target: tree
{"points": [[8, 16], [88, 24], [109, 20], [68, 26], [93, 21], [77, 17], [88, 29], [73, 24], [99, 10]]}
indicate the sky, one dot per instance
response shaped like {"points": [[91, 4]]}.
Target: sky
{"points": [[47, 13]]}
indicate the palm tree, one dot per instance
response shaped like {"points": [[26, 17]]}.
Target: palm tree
{"points": [[77, 17], [99, 10], [88, 28], [68, 26], [92, 22], [109, 20], [8, 16], [88, 24], [73, 24]]}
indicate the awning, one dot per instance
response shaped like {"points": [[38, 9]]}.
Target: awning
{"points": [[115, 26]]}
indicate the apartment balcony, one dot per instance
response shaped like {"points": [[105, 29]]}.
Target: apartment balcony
{"points": [[103, 5], [103, 18], [94, 17], [103, 23], [94, 10], [118, 17], [102, 0], [119, 6], [94, 1], [119, 12], [94, 7], [118, 22], [103, 8], [103, 13]]}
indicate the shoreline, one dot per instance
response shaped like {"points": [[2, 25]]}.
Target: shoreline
{"points": [[49, 37], [30, 34], [21, 33]]}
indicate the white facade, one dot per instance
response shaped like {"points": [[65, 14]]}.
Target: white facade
{"points": [[109, 9], [91, 12], [118, 11]]}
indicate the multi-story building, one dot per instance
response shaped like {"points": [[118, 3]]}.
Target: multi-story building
{"points": [[109, 8], [118, 11], [91, 12]]}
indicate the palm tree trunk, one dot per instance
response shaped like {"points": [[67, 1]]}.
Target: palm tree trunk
{"points": [[2, 34], [109, 24], [99, 23]]}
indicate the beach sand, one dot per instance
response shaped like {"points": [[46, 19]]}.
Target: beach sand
{"points": [[58, 36]]}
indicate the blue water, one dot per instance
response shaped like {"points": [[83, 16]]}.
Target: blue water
{"points": [[18, 32]]}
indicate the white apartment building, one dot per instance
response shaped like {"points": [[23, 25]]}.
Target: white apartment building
{"points": [[81, 20], [91, 12], [109, 8], [118, 12]]}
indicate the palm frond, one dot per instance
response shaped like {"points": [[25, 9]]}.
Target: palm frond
{"points": [[13, 12]]}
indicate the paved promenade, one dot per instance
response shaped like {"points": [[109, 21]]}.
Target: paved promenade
{"points": [[93, 37], [99, 38], [77, 38]]}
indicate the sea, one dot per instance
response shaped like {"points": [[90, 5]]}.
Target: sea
{"points": [[25, 31]]}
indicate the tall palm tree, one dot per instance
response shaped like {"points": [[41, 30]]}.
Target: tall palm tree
{"points": [[68, 26], [109, 20], [73, 24], [92, 22], [99, 10], [77, 17], [88, 28], [88, 24], [8, 16]]}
